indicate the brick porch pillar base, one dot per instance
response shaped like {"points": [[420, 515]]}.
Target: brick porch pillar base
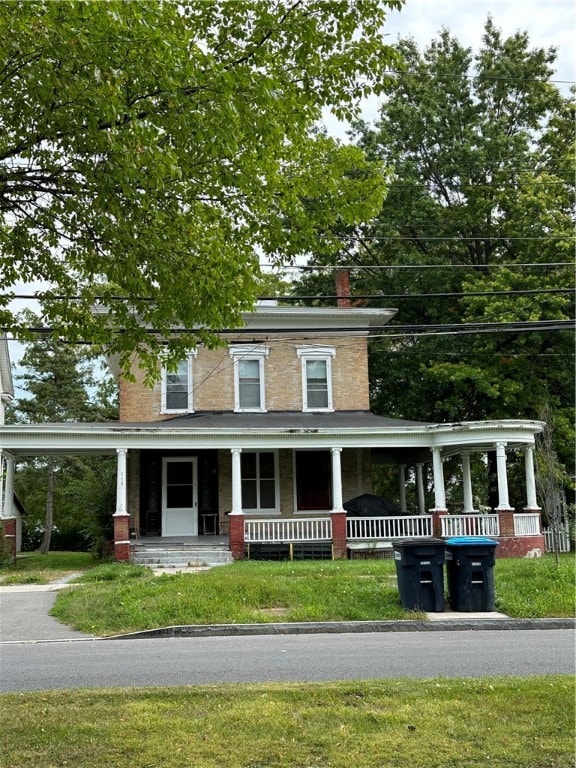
{"points": [[506, 517], [236, 523], [339, 537], [436, 522], [122, 538], [9, 535]]}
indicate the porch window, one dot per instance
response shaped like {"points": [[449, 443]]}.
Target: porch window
{"points": [[313, 481], [177, 388], [316, 377], [249, 390], [259, 481]]}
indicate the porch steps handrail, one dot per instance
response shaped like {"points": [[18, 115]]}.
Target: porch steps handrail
{"points": [[388, 528], [470, 525], [304, 529]]}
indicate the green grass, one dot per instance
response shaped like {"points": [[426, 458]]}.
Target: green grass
{"points": [[497, 722], [34, 568], [244, 592], [117, 598], [527, 588]]}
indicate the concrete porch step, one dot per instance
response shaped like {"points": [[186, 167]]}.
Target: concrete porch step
{"points": [[181, 556]]}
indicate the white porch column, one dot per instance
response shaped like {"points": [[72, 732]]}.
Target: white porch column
{"points": [[336, 480], [236, 482], [402, 482], [531, 501], [503, 501], [121, 483], [7, 508], [420, 488], [439, 492], [467, 484]]}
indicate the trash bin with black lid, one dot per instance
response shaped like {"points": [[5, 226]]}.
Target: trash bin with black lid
{"points": [[470, 571], [420, 572]]}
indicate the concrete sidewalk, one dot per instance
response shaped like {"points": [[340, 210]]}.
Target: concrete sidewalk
{"points": [[24, 615]]}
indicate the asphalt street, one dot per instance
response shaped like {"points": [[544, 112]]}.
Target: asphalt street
{"points": [[283, 658], [39, 653]]}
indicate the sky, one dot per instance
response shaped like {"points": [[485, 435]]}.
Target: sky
{"points": [[549, 23]]}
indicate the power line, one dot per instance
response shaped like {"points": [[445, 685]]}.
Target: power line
{"points": [[394, 330], [457, 238], [316, 297], [470, 267], [480, 76], [461, 294]]}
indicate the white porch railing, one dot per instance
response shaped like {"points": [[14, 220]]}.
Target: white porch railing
{"points": [[387, 528], [306, 529], [527, 524], [470, 525]]}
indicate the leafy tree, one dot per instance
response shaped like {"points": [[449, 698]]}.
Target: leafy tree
{"points": [[150, 151], [482, 151], [69, 493], [550, 478]]}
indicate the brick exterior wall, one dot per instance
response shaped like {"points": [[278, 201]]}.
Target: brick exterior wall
{"points": [[521, 546], [213, 385], [213, 380]]}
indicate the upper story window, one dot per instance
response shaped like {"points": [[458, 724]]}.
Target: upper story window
{"points": [[177, 388], [249, 389], [316, 377]]}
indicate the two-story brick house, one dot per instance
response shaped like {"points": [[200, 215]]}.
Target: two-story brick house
{"points": [[265, 438]]}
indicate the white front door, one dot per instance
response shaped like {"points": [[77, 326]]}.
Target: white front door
{"points": [[179, 496]]}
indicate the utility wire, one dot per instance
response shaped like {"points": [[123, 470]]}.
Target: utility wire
{"points": [[470, 267], [405, 330], [290, 298]]}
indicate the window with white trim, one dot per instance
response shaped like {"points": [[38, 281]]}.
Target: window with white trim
{"points": [[249, 389], [177, 387], [259, 471], [316, 377]]}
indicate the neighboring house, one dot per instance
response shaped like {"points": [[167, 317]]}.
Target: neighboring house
{"points": [[263, 440]]}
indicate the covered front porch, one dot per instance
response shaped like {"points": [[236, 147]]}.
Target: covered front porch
{"points": [[284, 478]]}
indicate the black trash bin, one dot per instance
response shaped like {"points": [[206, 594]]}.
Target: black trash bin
{"points": [[470, 570], [419, 568]]}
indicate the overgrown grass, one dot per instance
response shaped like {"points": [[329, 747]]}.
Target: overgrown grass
{"points": [[35, 568], [497, 722], [536, 588], [244, 592], [118, 598]]}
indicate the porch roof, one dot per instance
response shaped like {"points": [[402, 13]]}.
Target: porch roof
{"points": [[390, 439]]}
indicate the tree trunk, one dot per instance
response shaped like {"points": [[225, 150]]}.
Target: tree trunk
{"points": [[45, 545]]}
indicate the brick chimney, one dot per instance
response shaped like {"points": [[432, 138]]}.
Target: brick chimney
{"points": [[343, 288]]}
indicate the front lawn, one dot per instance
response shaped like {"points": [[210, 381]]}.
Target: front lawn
{"points": [[35, 568], [497, 722], [116, 598]]}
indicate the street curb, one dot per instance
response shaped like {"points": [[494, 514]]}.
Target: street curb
{"points": [[338, 627]]}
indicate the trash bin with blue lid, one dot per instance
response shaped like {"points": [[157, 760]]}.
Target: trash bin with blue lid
{"points": [[470, 572], [420, 573]]}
